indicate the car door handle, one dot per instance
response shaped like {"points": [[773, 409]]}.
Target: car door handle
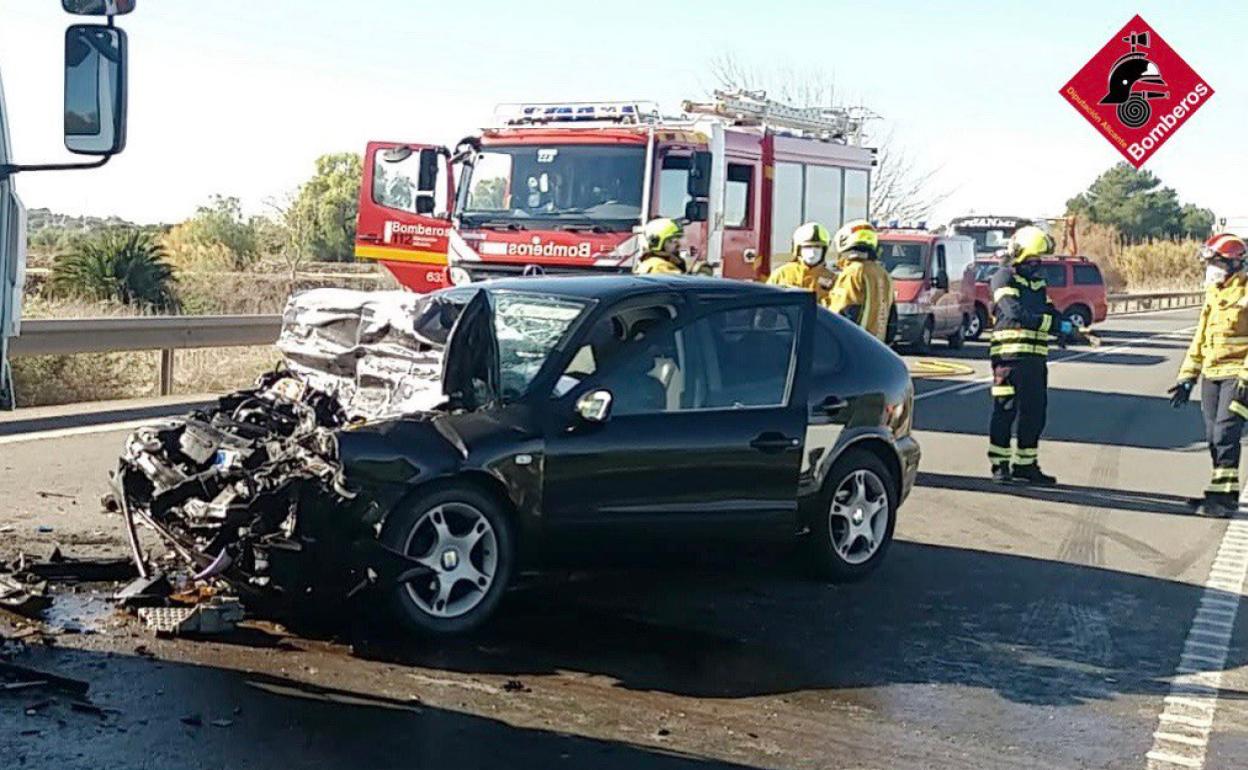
{"points": [[771, 441], [832, 406]]}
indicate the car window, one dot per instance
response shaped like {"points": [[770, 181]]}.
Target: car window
{"points": [[827, 348], [750, 355], [608, 339], [733, 359], [1054, 275], [1088, 275]]}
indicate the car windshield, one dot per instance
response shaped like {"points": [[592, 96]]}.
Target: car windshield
{"points": [[577, 185], [528, 327], [987, 241], [904, 260], [984, 271]]}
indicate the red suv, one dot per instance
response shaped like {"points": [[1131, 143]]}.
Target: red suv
{"points": [[1075, 287]]}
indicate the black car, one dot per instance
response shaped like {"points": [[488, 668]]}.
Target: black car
{"points": [[427, 447]]}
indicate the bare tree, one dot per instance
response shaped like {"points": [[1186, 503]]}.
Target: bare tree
{"points": [[293, 231], [901, 188]]}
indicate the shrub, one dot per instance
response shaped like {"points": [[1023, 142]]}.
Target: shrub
{"points": [[126, 266]]}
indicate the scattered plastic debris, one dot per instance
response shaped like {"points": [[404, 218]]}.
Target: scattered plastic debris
{"points": [[145, 592], [217, 615]]}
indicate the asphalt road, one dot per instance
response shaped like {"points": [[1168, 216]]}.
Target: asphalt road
{"points": [[1008, 629]]}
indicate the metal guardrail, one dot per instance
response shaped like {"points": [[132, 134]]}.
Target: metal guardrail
{"points": [[169, 333], [62, 336], [1121, 304]]}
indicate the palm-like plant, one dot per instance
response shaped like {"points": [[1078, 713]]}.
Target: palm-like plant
{"points": [[126, 266]]}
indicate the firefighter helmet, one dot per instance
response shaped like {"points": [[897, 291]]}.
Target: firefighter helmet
{"points": [[857, 236], [1224, 246], [660, 232], [1027, 243], [810, 243]]}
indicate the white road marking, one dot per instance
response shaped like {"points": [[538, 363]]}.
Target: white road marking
{"points": [[980, 383], [85, 430], [1183, 726]]}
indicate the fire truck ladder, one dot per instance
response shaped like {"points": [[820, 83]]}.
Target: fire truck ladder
{"points": [[754, 108]]}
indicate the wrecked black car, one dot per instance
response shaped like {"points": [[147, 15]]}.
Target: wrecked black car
{"points": [[426, 447]]}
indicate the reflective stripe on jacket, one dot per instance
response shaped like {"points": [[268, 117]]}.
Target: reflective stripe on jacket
{"points": [[864, 293], [1024, 318], [818, 279], [1220, 345]]}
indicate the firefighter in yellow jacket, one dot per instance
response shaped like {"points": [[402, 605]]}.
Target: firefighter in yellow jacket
{"points": [[863, 291], [1217, 354], [808, 270], [662, 242]]}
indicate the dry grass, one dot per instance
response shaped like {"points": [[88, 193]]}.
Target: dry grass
{"points": [[1152, 266], [220, 370]]}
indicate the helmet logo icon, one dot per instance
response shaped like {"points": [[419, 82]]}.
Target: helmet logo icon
{"points": [[1134, 80]]}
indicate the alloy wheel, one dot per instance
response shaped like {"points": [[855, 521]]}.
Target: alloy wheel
{"points": [[858, 519], [458, 544]]}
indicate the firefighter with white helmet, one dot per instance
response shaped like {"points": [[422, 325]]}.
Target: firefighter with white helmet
{"points": [[863, 291], [1217, 354], [662, 243], [808, 270], [1025, 320]]}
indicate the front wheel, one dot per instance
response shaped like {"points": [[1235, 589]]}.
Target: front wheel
{"points": [[852, 530], [976, 323], [1079, 316], [464, 538], [923, 343]]}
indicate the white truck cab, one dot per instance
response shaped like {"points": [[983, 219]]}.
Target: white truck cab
{"points": [[95, 124]]}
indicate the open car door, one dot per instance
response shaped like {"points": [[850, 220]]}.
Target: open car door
{"points": [[405, 212]]}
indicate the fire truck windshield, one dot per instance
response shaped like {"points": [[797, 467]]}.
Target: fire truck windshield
{"points": [[556, 186]]}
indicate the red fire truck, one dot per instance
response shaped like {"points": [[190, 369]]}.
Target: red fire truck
{"points": [[555, 188]]}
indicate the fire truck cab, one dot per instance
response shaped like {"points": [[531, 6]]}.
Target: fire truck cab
{"points": [[564, 188]]}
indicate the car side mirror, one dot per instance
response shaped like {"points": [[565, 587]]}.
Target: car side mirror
{"points": [[942, 281], [697, 211], [95, 89], [594, 406]]}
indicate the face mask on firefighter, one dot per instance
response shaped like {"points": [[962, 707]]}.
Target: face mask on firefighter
{"points": [[811, 255], [1215, 274]]}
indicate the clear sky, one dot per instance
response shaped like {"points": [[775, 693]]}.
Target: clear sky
{"points": [[239, 96]]}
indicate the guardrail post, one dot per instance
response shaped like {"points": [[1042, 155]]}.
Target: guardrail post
{"points": [[166, 371]]}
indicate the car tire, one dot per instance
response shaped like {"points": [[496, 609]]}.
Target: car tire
{"points": [[977, 323], [922, 344], [957, 339], [832, 524], [464, 511], [1079, 315]]}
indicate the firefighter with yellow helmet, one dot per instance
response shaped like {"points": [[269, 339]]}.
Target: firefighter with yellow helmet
{"points": [[1217, 354], [808, 270], [863, 291], [1025, 320], [662, 240]]}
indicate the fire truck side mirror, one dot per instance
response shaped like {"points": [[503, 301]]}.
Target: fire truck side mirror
{"points": [[697, 211], [98, 7], [699, 185], [95, 89], [428, 178]]}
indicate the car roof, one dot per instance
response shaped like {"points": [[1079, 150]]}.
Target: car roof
{"points": [[615, 287], [909, 235]]}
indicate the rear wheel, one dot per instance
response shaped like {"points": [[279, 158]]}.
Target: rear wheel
{"points": [[463, 536], [853, 528], [976, 323], [1079, 316], [923, 342]]}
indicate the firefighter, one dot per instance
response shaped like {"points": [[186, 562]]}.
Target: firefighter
{"points": [[1217, 354], [863, 291], [662, 238], [808, 270], [1025, 320]]}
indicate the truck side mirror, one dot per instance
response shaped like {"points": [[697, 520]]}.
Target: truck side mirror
{"points": [[942, 281], [699, 185], [98, 7], [95, 89], [697, 210], [427, 182]]}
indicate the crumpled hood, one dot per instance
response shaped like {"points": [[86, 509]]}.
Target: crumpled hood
{"points": [[380, 353]]}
